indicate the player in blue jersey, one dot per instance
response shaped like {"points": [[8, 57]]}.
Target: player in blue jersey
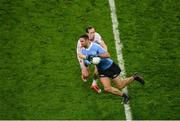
{"points": [[107, 69], [94, 37]]}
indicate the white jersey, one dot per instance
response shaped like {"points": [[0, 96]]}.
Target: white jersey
{"points": [[97, 39]]}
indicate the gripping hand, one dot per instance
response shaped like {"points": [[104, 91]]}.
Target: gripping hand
{"points": [[89, 57]]}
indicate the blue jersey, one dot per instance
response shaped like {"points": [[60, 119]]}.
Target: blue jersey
{"points": [[94, 50]]}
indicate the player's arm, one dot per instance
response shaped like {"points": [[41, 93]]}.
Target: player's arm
{"points": [[102, 43], [78, 48], [82, 56], [102, 53]]}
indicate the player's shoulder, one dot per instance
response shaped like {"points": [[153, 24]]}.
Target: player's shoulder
{"points": [[95, 45], [78, 44], [97, 35], [97, 38]]}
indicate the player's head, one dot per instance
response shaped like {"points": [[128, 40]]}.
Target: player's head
{"points": [[90, 32], [84, 40]]}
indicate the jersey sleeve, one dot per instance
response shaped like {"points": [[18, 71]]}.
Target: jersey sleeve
{"points": [[98, 38], [100, 50], [78, 49], [82, 52]]}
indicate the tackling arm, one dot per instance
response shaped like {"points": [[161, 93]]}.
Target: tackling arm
{"points": [[104, 55], [102, 43], [81, 56]]}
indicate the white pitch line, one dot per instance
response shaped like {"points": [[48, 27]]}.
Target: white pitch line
{"points": [[119, 47]]}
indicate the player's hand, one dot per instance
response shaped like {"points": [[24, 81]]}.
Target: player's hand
{"points": [[86, 62], [89, 57]]}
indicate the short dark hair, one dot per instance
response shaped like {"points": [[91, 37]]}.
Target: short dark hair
{"points": [[87, 28], [85, 36]]}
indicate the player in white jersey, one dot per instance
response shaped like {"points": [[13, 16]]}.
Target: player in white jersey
{"points": [[95, 38]]}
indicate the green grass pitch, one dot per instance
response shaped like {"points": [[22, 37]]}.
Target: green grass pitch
{"points": [[40, 75]]}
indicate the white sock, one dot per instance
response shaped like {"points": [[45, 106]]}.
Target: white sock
{"points": [[94, 81]]}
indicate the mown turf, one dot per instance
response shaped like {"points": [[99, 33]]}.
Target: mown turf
{"points": [[39, 72], [150, 35]]}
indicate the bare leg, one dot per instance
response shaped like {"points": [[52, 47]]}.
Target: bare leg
{"points": [[108, 88], [94, 84], [121, 83], [95, 73]]}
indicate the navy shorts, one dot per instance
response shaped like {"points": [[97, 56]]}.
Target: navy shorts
{"points": [[112, 72]]}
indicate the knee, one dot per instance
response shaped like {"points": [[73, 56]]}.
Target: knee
{"points": [[120, 86], [107, 89], [85, 75]]}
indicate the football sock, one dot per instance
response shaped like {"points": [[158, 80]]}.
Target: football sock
{"points": [[94, 81]]}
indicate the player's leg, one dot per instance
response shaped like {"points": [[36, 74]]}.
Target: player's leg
{"points": [[94, 84], [121, 83], [108, 88], [105, 76], [95, 76], [114, 72]]}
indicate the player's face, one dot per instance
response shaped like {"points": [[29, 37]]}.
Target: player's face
{"points": [[83, 42], [91, 33]]}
